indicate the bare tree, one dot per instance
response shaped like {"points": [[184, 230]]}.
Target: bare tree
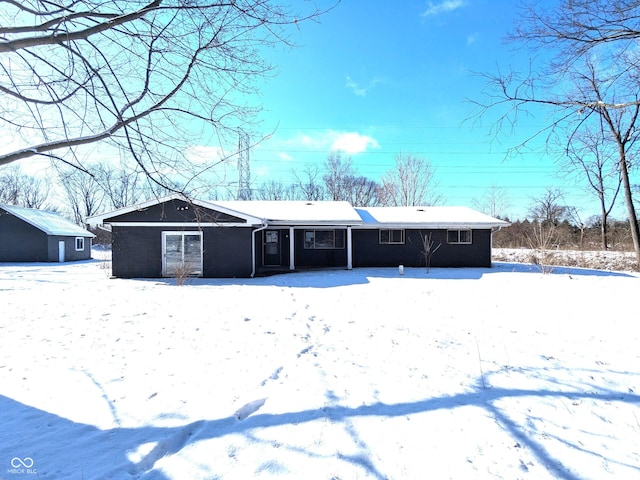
{"points": [[307, 183], [364, 192], [122, 186], [342, 182], [338, 176], [429, 248], [84, 195], [595, 161], [574, 217], [275, 190], [134, 74], [591, 78], [411, 182], [494, 202], [17, 188], [548, 207]]}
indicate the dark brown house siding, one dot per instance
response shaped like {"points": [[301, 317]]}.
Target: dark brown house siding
{"points": [[320, 257], [176, 211], [227, 252], [368, 252], [137, 251]]}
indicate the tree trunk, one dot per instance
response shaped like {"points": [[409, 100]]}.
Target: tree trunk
{"points": [[603, 226], [631, 211]]}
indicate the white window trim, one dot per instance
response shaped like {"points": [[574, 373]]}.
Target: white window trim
{"points": [[314, 247], [183, 233], [391, 242], [79, 241], [459, 230]]}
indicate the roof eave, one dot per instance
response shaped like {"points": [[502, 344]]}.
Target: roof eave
{"points": [[435, 226], [103, 219]]}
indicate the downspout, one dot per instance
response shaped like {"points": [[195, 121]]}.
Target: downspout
{"points": [[349, 249], [499, 227], [493, 230], [264, 226]]}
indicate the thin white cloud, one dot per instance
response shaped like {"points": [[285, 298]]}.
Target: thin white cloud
{"points": [[203, 154], [261, 171], [358, 89], [443, 7], [352, 143], [471, 39], [333, 140]]}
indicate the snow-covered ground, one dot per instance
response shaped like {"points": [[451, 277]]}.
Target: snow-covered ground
{"points": [[455, 373], [547, 259]]}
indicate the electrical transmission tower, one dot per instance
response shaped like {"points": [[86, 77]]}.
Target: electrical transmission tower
{"points": [[244, 169]]}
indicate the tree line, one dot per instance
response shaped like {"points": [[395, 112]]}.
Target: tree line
{"points": [[550, 220], [411, 181]]}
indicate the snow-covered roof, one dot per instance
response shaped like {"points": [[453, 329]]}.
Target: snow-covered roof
{"points": [[49, 222], [433, 217], [296, 212]]}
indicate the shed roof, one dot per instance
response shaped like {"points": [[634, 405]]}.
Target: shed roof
{"points": [[49, 222], [432, 217]]}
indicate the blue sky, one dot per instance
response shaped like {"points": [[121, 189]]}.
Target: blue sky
{"points": [[375, 78]]}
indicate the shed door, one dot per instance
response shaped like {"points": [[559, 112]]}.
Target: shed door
{"points": [[61, 251], [182, 254]]}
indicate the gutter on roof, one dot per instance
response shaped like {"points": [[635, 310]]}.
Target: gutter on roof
{"points": [[433, 226]]}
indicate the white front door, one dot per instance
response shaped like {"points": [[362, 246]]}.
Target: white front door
{"points": [[182, 254]]}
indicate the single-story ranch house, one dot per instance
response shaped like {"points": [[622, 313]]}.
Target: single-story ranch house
{"points": [[175, 236], [31, 235]]}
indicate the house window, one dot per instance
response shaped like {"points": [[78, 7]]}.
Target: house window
{"points": [[79, 244], [458, 236], [182, 254], [323, 239], [388, 236]]}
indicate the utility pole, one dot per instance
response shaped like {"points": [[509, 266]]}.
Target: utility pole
{"points": [[244, 169]]}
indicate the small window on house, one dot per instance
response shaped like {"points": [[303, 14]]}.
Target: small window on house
{"points": [[458, 236], [79, 244], [323, 239], [388, 236]]}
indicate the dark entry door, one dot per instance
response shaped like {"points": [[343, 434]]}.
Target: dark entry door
{"points": [[272, 247]]}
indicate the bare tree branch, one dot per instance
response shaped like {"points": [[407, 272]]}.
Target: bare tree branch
{"points": [[589, 75], [148, 77]]}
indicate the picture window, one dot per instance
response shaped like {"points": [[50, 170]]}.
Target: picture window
{"points": [[323, 239]]}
